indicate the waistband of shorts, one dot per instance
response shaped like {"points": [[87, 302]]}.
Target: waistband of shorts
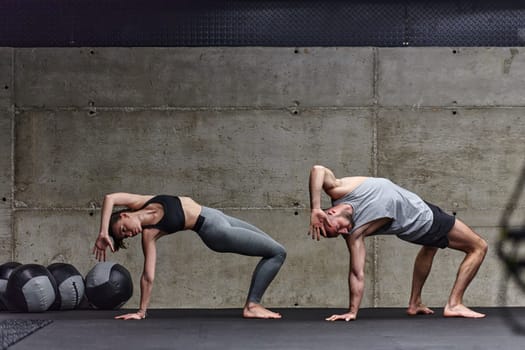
{"points": [[199, 223]]}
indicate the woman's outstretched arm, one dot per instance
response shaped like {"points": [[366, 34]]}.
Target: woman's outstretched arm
{"points": [[149, 249]]}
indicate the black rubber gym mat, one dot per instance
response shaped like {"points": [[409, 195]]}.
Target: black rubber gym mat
{"points": [[304, 329], [12, 331]]}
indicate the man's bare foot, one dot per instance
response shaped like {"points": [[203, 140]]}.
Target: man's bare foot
{"points": [[420, 309], [461, 311], [252, 310]]}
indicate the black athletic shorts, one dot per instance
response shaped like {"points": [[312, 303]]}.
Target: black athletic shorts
{"points": [[437, 236]]}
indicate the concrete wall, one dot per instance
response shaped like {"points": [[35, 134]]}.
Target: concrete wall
{"points": [[238, 129]]}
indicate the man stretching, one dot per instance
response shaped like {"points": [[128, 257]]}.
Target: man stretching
{"points": [[365, 206]]}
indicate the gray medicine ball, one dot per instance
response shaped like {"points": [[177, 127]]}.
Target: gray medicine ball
{"points": [[108, 285], [5, 271], [30, 288], [70, 284]]}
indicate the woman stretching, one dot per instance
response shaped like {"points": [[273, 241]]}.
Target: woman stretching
{"points": [[156, 216]]}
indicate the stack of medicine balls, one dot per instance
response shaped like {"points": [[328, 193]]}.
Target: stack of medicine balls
{"points": [[35, 288]]}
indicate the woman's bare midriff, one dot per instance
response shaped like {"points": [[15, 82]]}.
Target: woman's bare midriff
{"points": [[191, 210]]}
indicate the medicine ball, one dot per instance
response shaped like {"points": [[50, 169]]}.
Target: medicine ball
{"points": [[5, 271], [70, 284], [108, 285], [30, 288]]}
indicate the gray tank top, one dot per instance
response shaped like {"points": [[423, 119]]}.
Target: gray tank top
{"points": [[378, 198]]}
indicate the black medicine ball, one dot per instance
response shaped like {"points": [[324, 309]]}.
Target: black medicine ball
{"points": [[108, 285], [70, 284], [30, 288], [5, 271]]}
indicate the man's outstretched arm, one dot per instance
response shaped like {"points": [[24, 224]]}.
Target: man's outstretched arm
{"points": [[356, 278]]}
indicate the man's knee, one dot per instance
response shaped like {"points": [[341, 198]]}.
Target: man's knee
{"points": [[482, 246], [462, 237], [479, 246]]}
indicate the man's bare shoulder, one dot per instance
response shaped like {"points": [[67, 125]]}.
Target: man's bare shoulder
{"points": [[348, 184]]}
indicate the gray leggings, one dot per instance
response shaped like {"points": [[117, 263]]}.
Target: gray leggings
{"points": [[226, 234]]}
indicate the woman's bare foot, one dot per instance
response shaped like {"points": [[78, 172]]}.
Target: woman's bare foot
{"points": [[461, 310], [253, 310], [419, 309]]}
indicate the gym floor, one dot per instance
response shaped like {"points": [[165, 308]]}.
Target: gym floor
{"points": [[376, 328]]}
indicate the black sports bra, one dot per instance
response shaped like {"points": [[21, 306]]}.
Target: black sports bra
{"points": [[173, 219]]}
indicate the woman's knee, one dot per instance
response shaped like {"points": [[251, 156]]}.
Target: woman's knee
{"points": [[280, 253]]}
